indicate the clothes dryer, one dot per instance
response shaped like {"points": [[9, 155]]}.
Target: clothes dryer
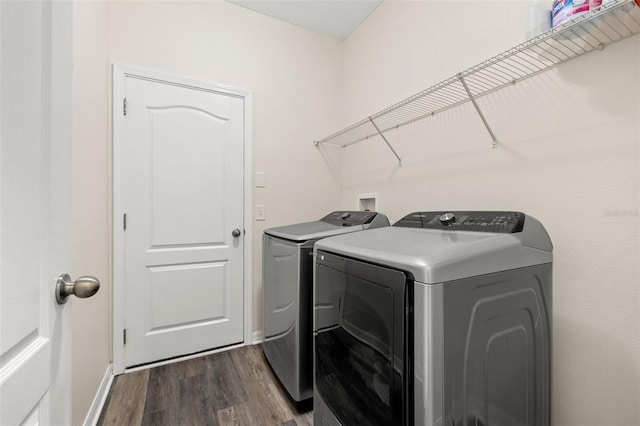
{"points": [[287, 277], [444, 318]]}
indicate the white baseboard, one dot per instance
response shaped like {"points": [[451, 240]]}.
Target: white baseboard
{"points": [[101, 396], [257, 337]]}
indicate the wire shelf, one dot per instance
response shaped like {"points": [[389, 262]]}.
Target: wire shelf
{"points": [[615, 21]]}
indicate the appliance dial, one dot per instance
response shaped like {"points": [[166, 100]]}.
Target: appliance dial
{"points": [[447, 218]]}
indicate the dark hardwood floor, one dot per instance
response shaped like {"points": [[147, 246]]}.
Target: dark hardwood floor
{"points": [[236, 387]]}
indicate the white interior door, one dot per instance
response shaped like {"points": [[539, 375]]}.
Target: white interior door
{"points": [[35, 211], [182, 193]]}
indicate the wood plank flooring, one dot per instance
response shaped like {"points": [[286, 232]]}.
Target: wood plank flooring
{"points": [[236, 387]]}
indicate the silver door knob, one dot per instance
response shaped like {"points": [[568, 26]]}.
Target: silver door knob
{"points": [[83, 287], [236, 233]]}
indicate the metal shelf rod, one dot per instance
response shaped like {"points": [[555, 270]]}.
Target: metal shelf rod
{"points": [[386, 141], [479, 111]]}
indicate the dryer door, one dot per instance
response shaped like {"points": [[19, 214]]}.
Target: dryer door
{"points": [[361, 343]]}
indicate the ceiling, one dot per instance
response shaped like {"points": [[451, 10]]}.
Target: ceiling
{"points": [[335, 18]]}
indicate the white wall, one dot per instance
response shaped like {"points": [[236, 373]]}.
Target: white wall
{"points": [[295, 76], [577, 173], [568, 155], [90, 202]]}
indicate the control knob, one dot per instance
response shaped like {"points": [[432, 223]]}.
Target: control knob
{"points": [[447, 218]]}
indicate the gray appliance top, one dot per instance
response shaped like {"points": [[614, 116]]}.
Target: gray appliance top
{"points": [[335, 223], [433, 251]]}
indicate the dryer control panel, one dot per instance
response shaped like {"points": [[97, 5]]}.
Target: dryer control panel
{"points": [[500, 222], [349, 218]]}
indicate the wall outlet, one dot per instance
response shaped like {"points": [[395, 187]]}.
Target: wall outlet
{"points": [[259, 213]]}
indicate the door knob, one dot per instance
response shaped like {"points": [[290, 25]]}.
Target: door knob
{"points": [[85, 286], [236, 232]]}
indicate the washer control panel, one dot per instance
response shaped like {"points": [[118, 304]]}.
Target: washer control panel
{"points": [[501, 222], [349, 218]]}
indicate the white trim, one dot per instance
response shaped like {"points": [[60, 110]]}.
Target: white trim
{"points": [[118, 238], [248, 216], [120, 72], [257, 337], [101, 397]]}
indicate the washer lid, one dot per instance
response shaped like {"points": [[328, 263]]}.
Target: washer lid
{"points": [[434, 256], [335, 223]]}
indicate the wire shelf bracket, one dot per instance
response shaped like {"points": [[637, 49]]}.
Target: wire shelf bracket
{"points": [[592, 31], [385, 140], [494, 144]]}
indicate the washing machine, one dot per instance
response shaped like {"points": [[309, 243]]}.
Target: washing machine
{"points": [[443, 318], [287, 277]]}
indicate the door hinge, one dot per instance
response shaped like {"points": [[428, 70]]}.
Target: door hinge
{"points": [[124, 335], [124, 106], [124, 222]]}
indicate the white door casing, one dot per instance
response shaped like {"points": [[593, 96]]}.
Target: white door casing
{"points": [[35, 211], [180, 176]]}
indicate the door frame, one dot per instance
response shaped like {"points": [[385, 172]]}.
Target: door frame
{"points": [[119, 74]]}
